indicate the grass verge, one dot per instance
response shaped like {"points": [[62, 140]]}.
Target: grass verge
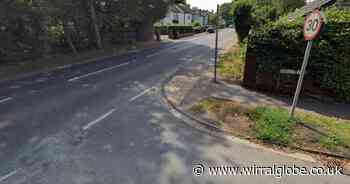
{"points": [[15, 70], [273, 125], [231, 65]]}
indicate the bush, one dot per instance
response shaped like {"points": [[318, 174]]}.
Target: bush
{"points": [[264, 14], [280, 45], [273, 124], [242, 12], [162, 29], [196, 24]]}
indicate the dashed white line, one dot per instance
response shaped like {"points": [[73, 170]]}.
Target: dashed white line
{"points": [[8, 175], [152, 55], [142, 94], [98, 120], [97, 72], [6, 99], [64, 67]]}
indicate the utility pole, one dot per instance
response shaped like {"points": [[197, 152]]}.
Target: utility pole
{"points": [[216, 43]]}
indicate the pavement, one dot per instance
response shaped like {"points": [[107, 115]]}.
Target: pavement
{"points": [[106, 122], [192, 83]]}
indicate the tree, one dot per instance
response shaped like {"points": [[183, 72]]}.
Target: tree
{"points": [[212, 19], [180, 2], [226, 13], [243, 20], [95, 25], [32, 28], [285, 6], [151, 11]]}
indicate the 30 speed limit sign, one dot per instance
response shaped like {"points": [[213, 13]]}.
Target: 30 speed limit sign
{"points": [[312, 28], [313, 25]]}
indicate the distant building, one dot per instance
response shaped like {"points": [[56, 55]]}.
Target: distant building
{"points": [[178, 14], [200, 16], [183, 14]]}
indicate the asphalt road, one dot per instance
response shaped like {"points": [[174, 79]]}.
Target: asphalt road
{"points": [[105, 123]]}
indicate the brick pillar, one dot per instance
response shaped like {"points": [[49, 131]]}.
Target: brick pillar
{"points": [[249, 79]]}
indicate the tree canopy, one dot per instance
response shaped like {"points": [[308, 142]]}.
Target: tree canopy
{"points": [[32, 28]]}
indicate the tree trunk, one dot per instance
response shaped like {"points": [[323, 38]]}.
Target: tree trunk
{"points": [[145, 31], [44, 23], [95, 25], [68, 37]]}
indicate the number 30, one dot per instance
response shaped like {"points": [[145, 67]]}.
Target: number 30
{"points": [[312, 25]]}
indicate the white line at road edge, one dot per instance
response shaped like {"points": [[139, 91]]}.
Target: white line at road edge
{"points": [[6, 99], [8, 175], [141, 94], [97, 72], [98, 120]]}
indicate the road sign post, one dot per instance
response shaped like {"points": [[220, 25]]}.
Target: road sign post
{"points": [[216, 43], [312, 28]]}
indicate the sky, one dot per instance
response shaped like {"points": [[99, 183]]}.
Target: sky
{"points": [[206, 4]]}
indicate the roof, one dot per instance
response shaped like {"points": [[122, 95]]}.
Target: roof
{"points": [[181, 8], [185, 8]]}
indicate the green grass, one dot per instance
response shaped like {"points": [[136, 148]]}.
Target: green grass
{"points": [[231, 64], [273, 124], [338, 130]]}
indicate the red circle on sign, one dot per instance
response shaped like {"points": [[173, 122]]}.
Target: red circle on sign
{"points": [[312, 26]]}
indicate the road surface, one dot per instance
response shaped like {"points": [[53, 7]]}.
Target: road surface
{"points": [[105, 123]]}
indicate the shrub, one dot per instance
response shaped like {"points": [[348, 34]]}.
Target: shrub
{"points": [[162, 29], [264, 14], [181, 29], [242, 12], [281, 45], [196, 24], [285, 6], [273, 124]]}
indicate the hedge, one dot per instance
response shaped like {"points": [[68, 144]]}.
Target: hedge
{"points": [[178, 28], [280, 45]]}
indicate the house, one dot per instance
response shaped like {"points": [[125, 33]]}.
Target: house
{"points": [[178, 14], [187, 14], [200, 16], [184, 15]]}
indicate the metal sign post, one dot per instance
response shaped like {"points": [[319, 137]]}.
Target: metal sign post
{"points": [[312, 28], [216, 43]]}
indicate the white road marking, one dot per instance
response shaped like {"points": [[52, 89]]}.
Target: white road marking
{"points": [[6, 100], [142, 94], [97, 72], [64, 67], [98, 120], [8, 175], [152, 55]]}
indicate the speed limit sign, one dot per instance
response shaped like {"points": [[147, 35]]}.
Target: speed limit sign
{"points": [[313, 25], [312, 28]]}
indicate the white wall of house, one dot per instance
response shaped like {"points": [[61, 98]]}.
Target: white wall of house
{"points": [[169, 18], [181, 17], [198, 18], [203, 20], [206, 20], [185, 18], [188, 19]]}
